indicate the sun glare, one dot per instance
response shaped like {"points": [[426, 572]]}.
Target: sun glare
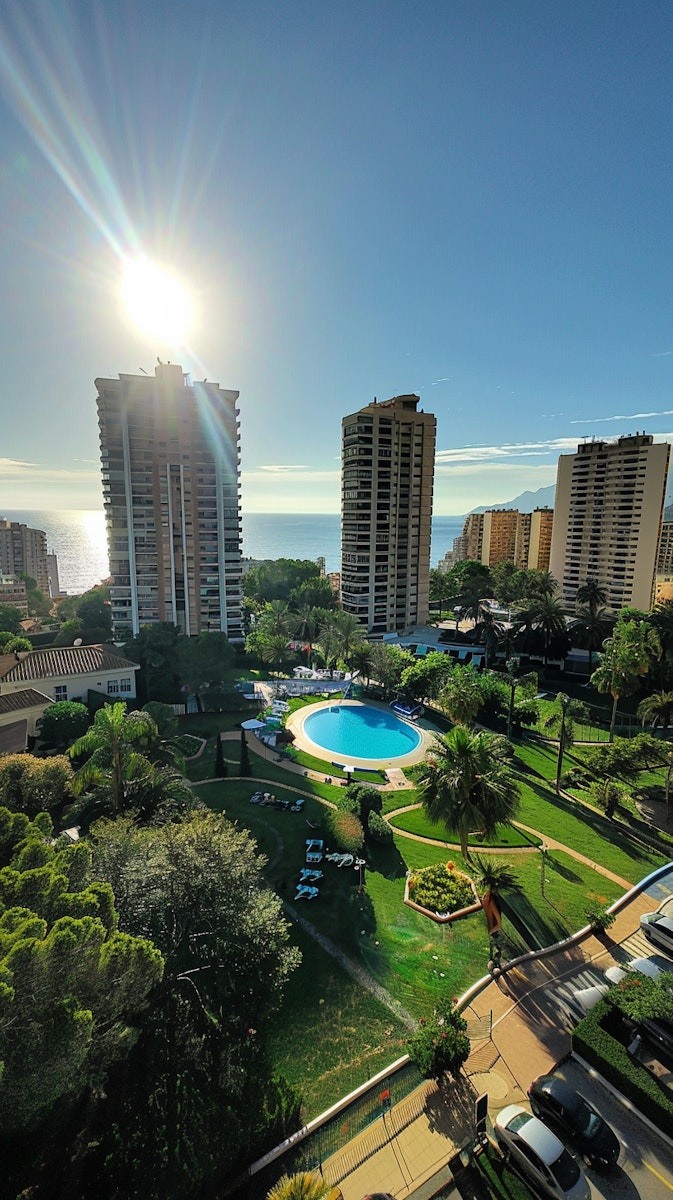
{"points": [[157, 303]]}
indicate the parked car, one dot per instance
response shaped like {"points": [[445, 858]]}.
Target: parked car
{"points": [[537, 1154], [566, 1111], [658, 929], [659, 1033], [646, 966]]}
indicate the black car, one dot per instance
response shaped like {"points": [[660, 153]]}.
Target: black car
{"points": [[567, 1112]]}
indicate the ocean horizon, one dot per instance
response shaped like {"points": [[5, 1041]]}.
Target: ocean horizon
{"points": [[77, 537]]}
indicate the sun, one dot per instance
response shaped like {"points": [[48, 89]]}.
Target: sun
{"points": [[156, 301]]}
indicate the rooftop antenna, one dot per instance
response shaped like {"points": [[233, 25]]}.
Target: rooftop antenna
{"points": [[143, 370]]}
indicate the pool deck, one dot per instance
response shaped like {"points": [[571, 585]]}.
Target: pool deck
{"points": [[295, 723]]}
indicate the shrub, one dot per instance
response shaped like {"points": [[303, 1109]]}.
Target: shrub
{"points": [[600, 918], [346, 829], [440, 1044], [378, 829], [440, 889]]}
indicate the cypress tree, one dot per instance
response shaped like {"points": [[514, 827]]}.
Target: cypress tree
{"points": [[220, 765], [245, 756]]}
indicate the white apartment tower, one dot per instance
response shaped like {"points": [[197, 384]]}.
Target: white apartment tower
{"points": [[607, 519], [170, 463], [388, 463]]}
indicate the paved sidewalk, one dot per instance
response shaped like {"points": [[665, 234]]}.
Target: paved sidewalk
{"points": [[530, 1022]]}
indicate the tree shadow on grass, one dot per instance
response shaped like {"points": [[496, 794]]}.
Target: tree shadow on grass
{"points": [[561, 869], [599, 824], [535, 928], [386, 860]]}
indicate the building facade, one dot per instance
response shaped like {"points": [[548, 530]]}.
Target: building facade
{"points": [[504, 535], [170, 463], [23, 551], [607, 519], [388, 463], [532, 547]]}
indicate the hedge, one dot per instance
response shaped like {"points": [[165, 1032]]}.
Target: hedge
{"points": [[612, 1061]]}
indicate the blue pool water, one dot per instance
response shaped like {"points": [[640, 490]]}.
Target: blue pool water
{"points": [[352, 731]]}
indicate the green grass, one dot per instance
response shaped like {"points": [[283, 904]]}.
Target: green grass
{"points": [[416, 821]]}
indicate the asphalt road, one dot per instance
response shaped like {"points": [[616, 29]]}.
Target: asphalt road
{"points": [[645, 1167]]}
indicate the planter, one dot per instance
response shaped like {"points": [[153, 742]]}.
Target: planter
{"points": [[445, 918]]}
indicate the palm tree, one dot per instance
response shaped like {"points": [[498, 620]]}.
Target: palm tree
{"points": [[493, 878], [489, 630], [306, 627], [160, 790], [110, 743], [328, 645], [465, 783], [592, 595], [548, 616], [515, 679], [657, 709], [362, 660], [305, 1185], [274, 649], [563, 722], [626, 658], [349, 633], [461, 695], [590, 628], [277, 617]]}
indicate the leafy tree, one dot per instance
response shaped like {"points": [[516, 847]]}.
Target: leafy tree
{"points": [[562, 722], [10, 618], [465, 783], [158, 794], [388, 665], [277, 579], [201, 1063], [71, 983], [204, 659], [461, 695], [63, 722], [314, 593], [440, 1044], [5, 638], [626, 659], [426, 677], [155, 647], [641, 998], [607, 794], [440, 589], [361, 799], [378, 830], [34, 785], [94, 611], [69, 632], [164, 718], [19, 645], [506, 587]]}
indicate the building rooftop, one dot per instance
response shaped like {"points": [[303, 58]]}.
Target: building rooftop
{"points": [[26, 698], [62, 660]]}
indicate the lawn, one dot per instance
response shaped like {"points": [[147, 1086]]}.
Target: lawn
{"points": [[415, 821]]}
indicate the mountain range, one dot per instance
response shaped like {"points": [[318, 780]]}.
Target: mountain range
{"points": [[526, 502]]}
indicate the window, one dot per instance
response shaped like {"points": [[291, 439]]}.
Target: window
{"points": [[125, 685], [61, 692], [112, 687]]}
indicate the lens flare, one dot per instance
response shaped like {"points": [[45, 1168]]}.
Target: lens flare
{"points": [[157, 303]]}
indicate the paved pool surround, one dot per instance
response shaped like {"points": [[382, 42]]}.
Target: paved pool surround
{"points": [[296, 723]]}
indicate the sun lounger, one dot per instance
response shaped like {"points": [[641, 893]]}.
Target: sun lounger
{"points": [[256, 798], [313, 856], [314, 844], [305, 893], [307, 873]]}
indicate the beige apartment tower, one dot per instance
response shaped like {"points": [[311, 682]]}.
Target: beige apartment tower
{"points": [[388, 465], [532, 547], [23, 551], [170, 463], [607, 519]]}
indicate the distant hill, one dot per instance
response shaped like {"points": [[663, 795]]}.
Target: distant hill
{"points": [[527, 501]]}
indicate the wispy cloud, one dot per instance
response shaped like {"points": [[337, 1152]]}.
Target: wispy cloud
{"points": [[20, 471], [640, 416], [283, 468], [508, 450], [663, 354], [444, 379]]}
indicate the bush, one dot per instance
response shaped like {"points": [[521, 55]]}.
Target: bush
{"points": [[378, 829], [440, 1044], [347, 831], [440, 889]]}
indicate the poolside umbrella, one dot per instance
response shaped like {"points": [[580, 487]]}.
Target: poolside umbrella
{"points": [[347, 770], [253, 723]]}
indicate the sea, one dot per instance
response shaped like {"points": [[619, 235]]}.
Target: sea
{"points": [[77, 537]]}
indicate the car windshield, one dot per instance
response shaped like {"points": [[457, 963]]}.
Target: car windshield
{"points": [[565, 1171]]}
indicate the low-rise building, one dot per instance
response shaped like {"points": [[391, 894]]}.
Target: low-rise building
{"points": [[70, 672]]}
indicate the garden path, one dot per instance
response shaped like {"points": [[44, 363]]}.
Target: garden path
{"points": [[550, 843]]}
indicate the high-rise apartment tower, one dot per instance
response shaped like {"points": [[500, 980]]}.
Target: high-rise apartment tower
{"points": [[23, 551], [388, 462], [170, 462], [607, 519]]}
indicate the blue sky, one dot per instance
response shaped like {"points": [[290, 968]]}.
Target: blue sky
{"points": [[469, 200]]}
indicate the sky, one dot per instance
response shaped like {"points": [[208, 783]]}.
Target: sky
{"points": [[464, 199]]}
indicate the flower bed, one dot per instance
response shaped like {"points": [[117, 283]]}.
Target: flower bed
{"points": [[441, 892]]}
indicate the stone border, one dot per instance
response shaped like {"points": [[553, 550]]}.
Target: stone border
{"points": [[295, 723], [444, 918]]}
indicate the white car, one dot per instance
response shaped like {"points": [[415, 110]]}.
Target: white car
{"points": [[537, 1154], [658, 929], [644, 965]]}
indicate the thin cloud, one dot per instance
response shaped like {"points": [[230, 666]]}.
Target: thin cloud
{"points": [[663, 354], [282, 469], [27, 472], [642, 416], [444, 379], [512, 450]]}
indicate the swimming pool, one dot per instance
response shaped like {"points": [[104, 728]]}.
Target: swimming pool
{"points": [[359, 731]]}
